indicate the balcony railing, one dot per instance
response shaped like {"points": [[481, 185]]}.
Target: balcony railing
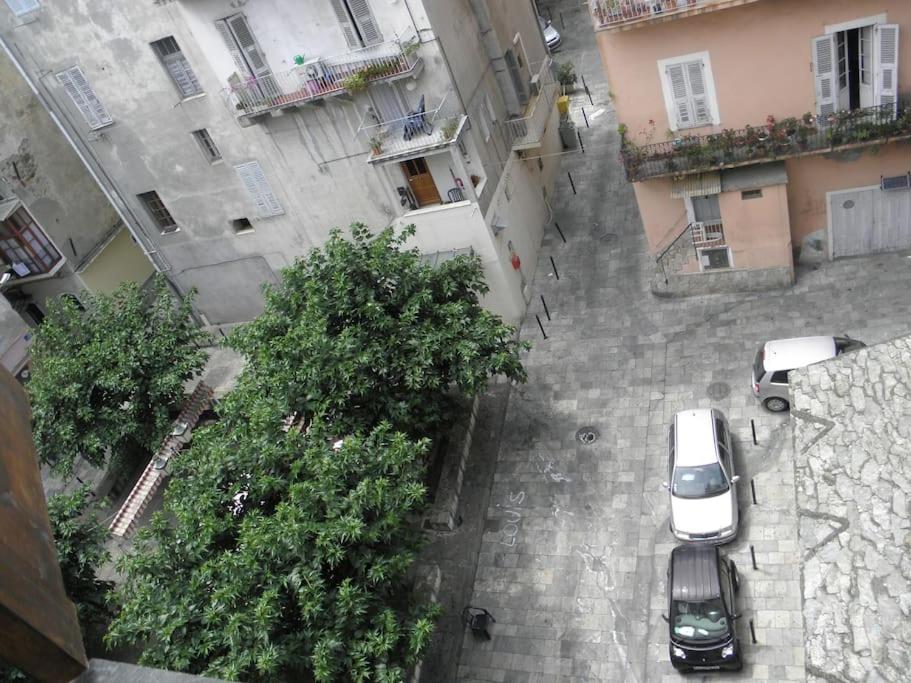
{"points": [[526, 132], [324, 77], [419, 131], [617, 12], [775, 140]]}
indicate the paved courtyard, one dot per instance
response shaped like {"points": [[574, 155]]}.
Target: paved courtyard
{"points": [[575, 535]]}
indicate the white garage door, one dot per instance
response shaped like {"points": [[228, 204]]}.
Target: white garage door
{"points": [[869, 220]]}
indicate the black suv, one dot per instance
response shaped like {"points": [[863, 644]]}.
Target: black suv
{"points": [[701, 585]]}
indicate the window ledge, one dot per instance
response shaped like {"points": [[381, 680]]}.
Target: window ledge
{"points": [[38, 276], [169, 232], [197, 96]]}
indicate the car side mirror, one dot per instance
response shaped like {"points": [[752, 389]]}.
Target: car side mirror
{"points": [[735, 478], [664, 485], [664, 616]]}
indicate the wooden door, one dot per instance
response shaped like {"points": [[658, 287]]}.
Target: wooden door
{"points": [[852, 217], [421, 182]]}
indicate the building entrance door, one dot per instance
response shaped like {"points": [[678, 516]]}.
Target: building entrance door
{"points": [[421, 182]]}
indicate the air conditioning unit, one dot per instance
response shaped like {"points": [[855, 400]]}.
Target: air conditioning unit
{"points": [[535, 84], [312, 70]]}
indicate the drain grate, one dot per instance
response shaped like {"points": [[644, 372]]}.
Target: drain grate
{"points": [[718, 390], [609, 237], [587, 435]]}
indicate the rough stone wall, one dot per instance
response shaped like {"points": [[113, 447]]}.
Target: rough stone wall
{"points": [[852, 438], [694, 284]]}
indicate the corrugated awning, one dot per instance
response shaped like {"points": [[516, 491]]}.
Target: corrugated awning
{"points": [[696, 185]]}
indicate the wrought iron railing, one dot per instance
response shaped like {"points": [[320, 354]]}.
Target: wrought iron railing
{"points": [[417, 131], [774, 140], [617, 12], [321, 78]]}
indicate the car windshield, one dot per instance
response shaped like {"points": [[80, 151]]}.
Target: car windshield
{"points": [[543, 23], [699, 482], [699, 620], [758, 366]]}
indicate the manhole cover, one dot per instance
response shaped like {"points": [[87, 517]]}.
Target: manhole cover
{"points": [[718, 390], [587, 435], [609, 237]]}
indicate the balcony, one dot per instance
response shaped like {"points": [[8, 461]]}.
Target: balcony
{"points": [[420, 132], [324, 77], [773, 141], [626, 14], [528, 131]]}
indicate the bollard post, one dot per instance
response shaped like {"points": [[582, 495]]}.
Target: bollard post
{"points": [[753, 425], [222, 333], [753, 632], [571, 183], [554, 266], [562, 21], [543, 333], [753, 489], [585, 117], [579, 135], [562, 237], [546, 311], [753, 557], [587, 91]]}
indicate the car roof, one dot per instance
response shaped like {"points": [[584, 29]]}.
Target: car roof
{"points": [[694, 573], [695, 437], [787, 354]]}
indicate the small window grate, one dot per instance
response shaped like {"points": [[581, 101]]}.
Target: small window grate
{"points": [[896, 182], [716, 258], [751, 194], [207, 145]]}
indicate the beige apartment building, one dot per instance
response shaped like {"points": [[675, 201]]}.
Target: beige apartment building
{"points": [[761, 133]]}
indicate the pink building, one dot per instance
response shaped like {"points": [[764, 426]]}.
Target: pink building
{"points": [[758, 133]]}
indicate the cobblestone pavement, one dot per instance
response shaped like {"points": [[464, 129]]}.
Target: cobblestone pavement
{"points": [[576, 541], [852, 446]]}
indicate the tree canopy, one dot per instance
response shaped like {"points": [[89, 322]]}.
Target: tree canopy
{"points": [[288, 531], [104, 379]]}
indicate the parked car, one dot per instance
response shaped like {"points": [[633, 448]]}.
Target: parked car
{"points": [[701, 588], [702, 482], [775, 359], [551, 35]]}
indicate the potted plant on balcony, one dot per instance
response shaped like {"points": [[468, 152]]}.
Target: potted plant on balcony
{"points": [[355, 83], [449, 128], [376, 144]]}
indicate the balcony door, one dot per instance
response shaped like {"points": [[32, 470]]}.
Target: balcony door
{"points": [[421, 182], [246, 53]]}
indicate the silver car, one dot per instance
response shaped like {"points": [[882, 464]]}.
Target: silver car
{"points": [[702, 482], [776, 358]]}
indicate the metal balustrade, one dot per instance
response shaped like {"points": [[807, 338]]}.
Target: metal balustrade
{"points": [[527, 131], [321, 78], [608, 13], [769, 142]]}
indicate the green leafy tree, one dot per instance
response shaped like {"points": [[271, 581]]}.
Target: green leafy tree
{"points": [[104, 379], [362, 331], [284, 558]]}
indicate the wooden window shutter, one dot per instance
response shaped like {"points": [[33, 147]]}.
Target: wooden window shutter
{"points": [[240, 29], [696, 78], [22, 7], [233, 48], [84, 97], [254, 180], [824, 72], [680, 93], [887, 66], [363, 17], [344, 20]]}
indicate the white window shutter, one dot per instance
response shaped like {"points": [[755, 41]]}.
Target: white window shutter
{"points": [[84, 97], [247, 43], [183, 75], [680, 93], [886, 93], [233, 48], [696, 78], [824, 71], [363, 17], [254, 180], [22, 7], [345, 22]]}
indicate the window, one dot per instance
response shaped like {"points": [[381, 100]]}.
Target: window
{"points": [[490, 109], [252, 176], [241, 226], [158, 211], [357, 23], [689, 91], [22, 7], [77, 87], [780, 377], [751, 194], [715, 258], [24, 246], [482, 122], [856, 65], [241, 43], [177, 65], [207, 145]]}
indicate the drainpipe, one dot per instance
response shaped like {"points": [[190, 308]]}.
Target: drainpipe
{"points": [[156, 258], [495, 54]]}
